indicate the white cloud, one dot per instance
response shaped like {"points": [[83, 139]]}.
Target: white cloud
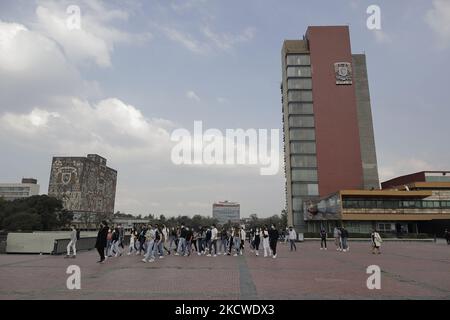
{"points": [[438, 18], [221, 100], [96, 39], [208, 40], [226, 41], [192, 95], [381, 36], [109, 127]]}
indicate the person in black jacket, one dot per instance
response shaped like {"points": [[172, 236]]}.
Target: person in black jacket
{"points": [[273, 239], [100, 244]]}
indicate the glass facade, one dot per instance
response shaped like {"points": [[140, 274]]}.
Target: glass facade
{"points": [[300, 96], [301, 121], [299, 175], [305, 189], [303, 161], [394, 204], [300, 108], [302, 83], [303, 147], [299, 72], [298, 60], [302, 134]]}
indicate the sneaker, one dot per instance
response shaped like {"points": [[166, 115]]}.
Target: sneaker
{"points": [[326, 249], [235, 255], [208, 255], [199, 254], [151, 260], [215, 255], [344, 250], [161, 257], [144, 260], [321, 248], [275, 256], [177, 254], [265, 256], [257, 254]]}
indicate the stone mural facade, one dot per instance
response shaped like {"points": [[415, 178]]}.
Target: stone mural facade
{"points": [[84, 184]]}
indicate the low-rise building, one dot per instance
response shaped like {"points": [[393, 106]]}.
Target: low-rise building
{"points": [[13, 191], [226, 211]]}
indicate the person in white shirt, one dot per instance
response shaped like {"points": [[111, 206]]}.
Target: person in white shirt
{"points": [[73, 242], [213, 241], [133, 236], [265, 240], [292, 237], [243, 236], [376, 242]]}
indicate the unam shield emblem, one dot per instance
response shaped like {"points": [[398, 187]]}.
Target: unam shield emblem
{"points": [[343, 71], [66, 174]]}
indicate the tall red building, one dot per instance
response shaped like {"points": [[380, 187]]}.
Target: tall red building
{"points": [[328, 130]]}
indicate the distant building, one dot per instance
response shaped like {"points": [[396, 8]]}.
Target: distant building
{"points": [[13, 191], [226, 212], [415, 203], [328, 133], [84, 184]]}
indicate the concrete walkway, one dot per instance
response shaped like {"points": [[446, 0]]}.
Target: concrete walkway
{"points": [[409, 271]]}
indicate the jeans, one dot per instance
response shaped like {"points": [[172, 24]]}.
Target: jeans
{"points": [[200, 245], [158, 247], [172, 240], [293, 246], [149, 252], [189, 247], [323, 243], [181, 246], [212, 244], [344, 243], [223, 245], [237, 244]]}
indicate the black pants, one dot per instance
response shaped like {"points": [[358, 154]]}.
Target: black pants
{"points": [[273, 246], [230, 245], [256, 243], [323, 242], [101, 252]]}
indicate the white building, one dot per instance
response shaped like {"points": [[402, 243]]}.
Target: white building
{"points": [[12, 191], [226, 212]]}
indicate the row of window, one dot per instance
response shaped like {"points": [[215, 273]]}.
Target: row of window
{"points": [[300, 96], [297, 84], [302, 134], [396, 204], [301, 121], [300, 108], [303, 161], [14, 189], [299, 175], [299, 72], [298, 59], [305, 189], [303, 147]]}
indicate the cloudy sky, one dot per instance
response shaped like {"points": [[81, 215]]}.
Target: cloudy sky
{"points": [[137, 70]]}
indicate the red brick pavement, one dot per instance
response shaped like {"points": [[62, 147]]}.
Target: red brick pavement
{"points": [[409, 271]]}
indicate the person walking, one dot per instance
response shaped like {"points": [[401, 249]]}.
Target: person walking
{"points": [[101, 242], [266, 244], [323, 238], [72, 243], [172, 238], [257, 240], [213, 242], [292, 235], [337, 238], [447, 236], [150, 241], [182, 241], [273, 240], [189, 236], [200, 241], [133, 237], [142, 240], [243, 236], [237, 240], [223, 242], [376, 242], [344, 239]]}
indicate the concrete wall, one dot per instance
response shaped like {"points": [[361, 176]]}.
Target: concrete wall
{"points": [[366, 135]]}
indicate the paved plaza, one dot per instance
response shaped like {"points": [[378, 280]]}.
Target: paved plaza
{"points": [[409, 271]]}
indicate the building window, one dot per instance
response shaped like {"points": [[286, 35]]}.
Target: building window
{"points": [[301, 96], [385, 227], [303, 161], [297, 204], [305, 84], [309, 189], [299, 175], [300, 108], [303, 147], [301, 121], [298, 59], [299, 72], [302, 134]]}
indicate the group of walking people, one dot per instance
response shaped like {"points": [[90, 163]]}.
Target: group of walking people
{"points": [[157, 241]]}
